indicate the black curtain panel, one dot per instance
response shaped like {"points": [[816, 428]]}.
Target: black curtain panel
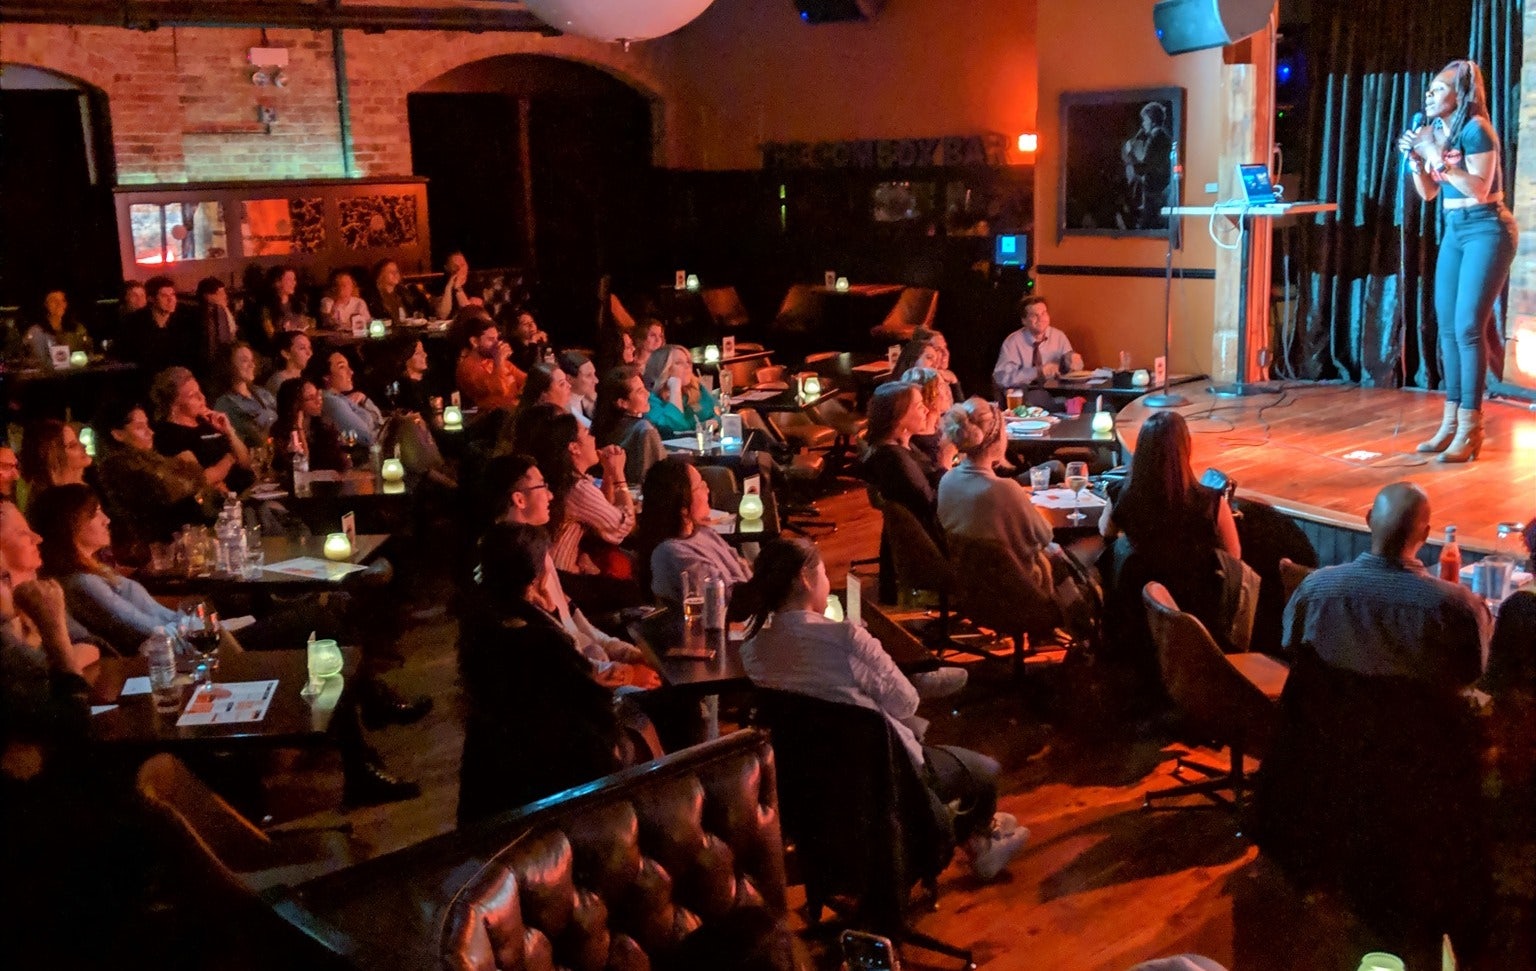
{"points": [[1365, 275]]}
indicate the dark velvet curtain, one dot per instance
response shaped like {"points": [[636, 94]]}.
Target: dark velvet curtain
{"points": [[1365, 275]]}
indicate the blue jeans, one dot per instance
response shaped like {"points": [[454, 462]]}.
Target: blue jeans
{"points": [[1470, 272]]}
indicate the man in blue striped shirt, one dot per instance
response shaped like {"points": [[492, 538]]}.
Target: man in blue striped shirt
{"points": [[1384, 615]]}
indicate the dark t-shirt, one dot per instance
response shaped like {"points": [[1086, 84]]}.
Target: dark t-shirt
{"points": [[206, 443], [1477, 136]]}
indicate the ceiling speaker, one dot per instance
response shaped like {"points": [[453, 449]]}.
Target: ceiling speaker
{"points": [[832, 11], [1195, 25]]}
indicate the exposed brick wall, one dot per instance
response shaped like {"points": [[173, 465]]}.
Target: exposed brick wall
{"points": [[183, 107]]}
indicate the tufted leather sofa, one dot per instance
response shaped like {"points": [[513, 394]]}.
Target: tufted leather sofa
{"points": [[605, 877]]}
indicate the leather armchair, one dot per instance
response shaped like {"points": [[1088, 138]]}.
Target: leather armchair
{"points": [[612, 875]]}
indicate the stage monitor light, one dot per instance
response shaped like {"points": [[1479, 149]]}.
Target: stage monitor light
{"points": [[1011, 249]]}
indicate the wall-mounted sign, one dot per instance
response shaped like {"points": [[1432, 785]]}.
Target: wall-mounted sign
{"points": [[989, 148]]}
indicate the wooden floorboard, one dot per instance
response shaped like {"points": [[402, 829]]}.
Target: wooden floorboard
{"points": [[1323, 451]]}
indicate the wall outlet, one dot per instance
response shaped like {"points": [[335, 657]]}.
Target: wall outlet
{"points": [[1211, 188], [266, 114]]}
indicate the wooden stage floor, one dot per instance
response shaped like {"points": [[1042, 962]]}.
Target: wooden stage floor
{"points": [[1322, 451]]}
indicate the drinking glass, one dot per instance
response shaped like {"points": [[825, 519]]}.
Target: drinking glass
{"points": [[725, 384], [200, 630], [1077, 481], [1015, 398], [255, 554], [1040, 478]]}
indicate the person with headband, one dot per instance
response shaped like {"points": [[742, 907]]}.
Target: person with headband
{"points": [[1455, 158]]}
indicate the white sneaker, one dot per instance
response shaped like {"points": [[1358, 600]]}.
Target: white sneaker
{"points": [[940, 682], [991, 853]]}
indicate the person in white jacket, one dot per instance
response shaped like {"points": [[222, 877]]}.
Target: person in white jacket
{"points": [[792, 646]]}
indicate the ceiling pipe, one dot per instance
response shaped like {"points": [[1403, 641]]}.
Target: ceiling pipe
{"points": [[154, 14]]}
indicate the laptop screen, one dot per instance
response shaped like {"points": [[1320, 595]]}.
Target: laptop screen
{"points": [[1257, 188]]}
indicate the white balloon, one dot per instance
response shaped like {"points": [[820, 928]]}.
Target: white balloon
{"points": [[611, 20]]}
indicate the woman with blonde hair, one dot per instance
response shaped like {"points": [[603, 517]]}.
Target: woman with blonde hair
{"points": [[978, 505], [938, 398], [678, 400]]}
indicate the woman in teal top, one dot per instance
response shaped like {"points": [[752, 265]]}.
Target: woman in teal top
{"points": [[678, 400], [1455, 157]]}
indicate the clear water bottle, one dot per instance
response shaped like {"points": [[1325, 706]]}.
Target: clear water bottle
{"points": [[160, 651], [300, 460]]}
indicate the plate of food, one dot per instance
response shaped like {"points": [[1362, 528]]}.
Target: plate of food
{"points": [[1022, 427], [1026, 413]]}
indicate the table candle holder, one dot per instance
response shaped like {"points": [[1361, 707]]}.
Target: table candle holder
{"points": [[392, 470], [453, 418], [338, 547], [79, 359]]}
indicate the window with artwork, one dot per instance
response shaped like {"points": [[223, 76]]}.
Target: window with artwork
{"points": [[176, 232]]}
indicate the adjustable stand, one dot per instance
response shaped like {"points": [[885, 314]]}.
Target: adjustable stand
{"points": [[1165, 398], [1244, 216]]}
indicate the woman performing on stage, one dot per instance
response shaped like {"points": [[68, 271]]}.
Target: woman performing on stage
{"points": [[1456, 156]]}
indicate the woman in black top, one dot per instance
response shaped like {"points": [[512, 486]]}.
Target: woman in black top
{"points": [[186, 424], [537, 723], [899, 472], [299, 410]]}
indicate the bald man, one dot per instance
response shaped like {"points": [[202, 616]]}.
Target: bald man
{"points": [[1384, 614]]}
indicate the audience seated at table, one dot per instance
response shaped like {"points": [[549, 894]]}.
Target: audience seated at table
{"points": [[918, 352], [281, 307], [527, 340], [351, 411], [678, 402], [301, 413], [251, 408], [581, 374], [1169, 528], [976, 505], [486, 376], [938, 398], [72, 832], [615, 348], [792, 646], [161, 334], [20, 561], [218, 330], [10, 470], [651, 337], [588, 521], [186, 425], [148, 494], [527, 501], [939, 345], [1035, 352], [896, 470], [342, 308], [537, 722], [1371, 786], [75, 530], [620, 419], [456, 294], [547, 384], [674, 536], [56, 327], [398, 377], [131, 299], [293, 351], [51, 454], [394, 300]]}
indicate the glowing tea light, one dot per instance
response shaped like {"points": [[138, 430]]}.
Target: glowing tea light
{"points": [[375, 328], [751, 508], [1141, 378], [711, 354], [453, 418], [392, 470], [812, 385], [693, 282], [842, 285], [338, 547], [1103, 423], [1381, 961], [79, 359]]}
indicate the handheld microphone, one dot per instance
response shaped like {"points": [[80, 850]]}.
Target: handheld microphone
{"points": [[1173, 159], [1415, 124]]}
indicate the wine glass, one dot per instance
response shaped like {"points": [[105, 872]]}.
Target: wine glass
{"points": [[200, 629], [1077, 481]]}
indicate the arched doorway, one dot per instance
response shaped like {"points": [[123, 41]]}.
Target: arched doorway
{"points": [[537, 162], [56, 177]]}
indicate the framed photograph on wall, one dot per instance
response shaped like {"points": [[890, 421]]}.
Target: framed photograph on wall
{"points": [[1115, 165]]}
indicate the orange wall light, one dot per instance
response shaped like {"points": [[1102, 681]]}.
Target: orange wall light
{"points": [[1029, 142]]}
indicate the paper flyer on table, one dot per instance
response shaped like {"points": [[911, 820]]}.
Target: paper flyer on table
{"points": [[1065, 499], [225, 704], [313, 568]]}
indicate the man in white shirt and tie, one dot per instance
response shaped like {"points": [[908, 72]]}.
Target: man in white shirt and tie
{"points": [[1035, 352]]}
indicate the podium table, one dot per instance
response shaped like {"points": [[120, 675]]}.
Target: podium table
{"points": [[1244, 215]]}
